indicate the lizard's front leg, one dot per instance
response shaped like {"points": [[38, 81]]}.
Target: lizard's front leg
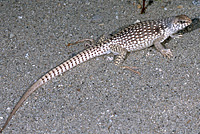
{"points": [[161, 49]]}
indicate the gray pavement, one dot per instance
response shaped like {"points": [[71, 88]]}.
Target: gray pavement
{"points": [[96, 97]]}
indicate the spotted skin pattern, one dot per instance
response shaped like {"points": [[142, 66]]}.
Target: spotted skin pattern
{"points": [[132, 38]]}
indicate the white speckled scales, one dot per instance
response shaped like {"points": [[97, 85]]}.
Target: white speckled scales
{"points": [[143, 34]]}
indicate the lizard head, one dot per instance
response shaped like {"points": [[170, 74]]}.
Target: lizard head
{"points": [[180, 22]]}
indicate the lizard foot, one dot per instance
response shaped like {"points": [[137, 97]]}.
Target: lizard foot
{"points": [[167, 53], [131, 69]]}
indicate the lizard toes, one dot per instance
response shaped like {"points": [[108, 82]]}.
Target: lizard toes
{"points": [[167, 53]]}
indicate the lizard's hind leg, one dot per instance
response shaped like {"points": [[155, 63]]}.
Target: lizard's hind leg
{"points": [[92, 42], [122, 52], [83, 40]]}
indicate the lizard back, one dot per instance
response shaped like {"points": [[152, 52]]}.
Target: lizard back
{"points": [[143, 34]]}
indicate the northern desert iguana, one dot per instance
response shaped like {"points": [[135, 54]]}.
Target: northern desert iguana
{"points": [[132, 38]]}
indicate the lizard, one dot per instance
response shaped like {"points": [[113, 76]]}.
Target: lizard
{"points": [[131, 38]]}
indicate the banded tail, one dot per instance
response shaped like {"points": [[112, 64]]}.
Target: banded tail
{"points": [[67, 65]]}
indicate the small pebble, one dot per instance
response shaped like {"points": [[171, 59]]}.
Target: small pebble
{"points": [[180, 6], [27, 56], [12, 35], [19, 17]]}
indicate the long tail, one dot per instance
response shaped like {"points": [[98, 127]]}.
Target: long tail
{"points": [[67, 65]]}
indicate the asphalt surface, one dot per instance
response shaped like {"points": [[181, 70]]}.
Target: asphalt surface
{"points": [[96, 96]]}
